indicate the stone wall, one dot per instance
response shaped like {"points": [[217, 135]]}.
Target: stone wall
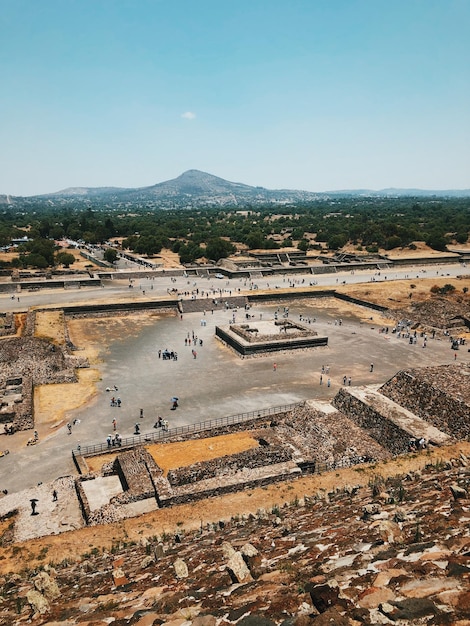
{"points": [[132, 467], [211, 488], [251, 335], [16, 405], [7, 324], [82, 498], [256, 457], [388, 434], [419, 394]]}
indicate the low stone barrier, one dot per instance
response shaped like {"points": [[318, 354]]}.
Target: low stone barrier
{"points": [[257, 457]]}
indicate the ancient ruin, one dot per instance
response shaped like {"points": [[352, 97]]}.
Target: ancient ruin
{"points": [[251, 338], [364, 424], [27, 361]]}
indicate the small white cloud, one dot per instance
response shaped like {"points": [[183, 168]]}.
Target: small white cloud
{"points": [[188, 115]]}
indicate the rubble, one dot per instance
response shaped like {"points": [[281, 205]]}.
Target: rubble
{"points": [[326, 564]]}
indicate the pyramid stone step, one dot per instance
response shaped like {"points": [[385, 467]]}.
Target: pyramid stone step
{"points": [[386, 421]]}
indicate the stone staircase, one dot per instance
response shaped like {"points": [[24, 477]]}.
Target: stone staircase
{"points": [[198, 305], [386, 421]]}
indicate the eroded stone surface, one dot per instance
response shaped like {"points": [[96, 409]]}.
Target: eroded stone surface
{"points": [[325, 561]]}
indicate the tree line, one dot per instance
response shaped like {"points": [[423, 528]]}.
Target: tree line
{"points": [[367, 223]]}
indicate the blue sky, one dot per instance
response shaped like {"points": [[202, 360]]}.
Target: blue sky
{"points": [[305, 94]]}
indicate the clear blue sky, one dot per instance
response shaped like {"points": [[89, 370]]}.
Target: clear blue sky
{"points": [[305, 94]]}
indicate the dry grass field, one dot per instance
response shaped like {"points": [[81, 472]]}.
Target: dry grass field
{"points": [[50, 325]]}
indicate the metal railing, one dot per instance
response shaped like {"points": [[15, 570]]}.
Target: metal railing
{"points": [[161, 433]]}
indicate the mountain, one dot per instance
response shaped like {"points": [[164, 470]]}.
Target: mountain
{"points": [[84, 192], [194, 189], [394, 192], [190, 189]]}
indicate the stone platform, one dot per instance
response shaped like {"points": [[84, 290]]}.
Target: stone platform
{"points": [[259, 337]]}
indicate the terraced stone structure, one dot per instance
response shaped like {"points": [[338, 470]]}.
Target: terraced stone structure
{"points": [[259, 337], [16, 402], [27, 361], [364, 425]]}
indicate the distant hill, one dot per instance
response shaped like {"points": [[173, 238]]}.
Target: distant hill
{"points": [[191, 188], [394, 192], [195, 188]]}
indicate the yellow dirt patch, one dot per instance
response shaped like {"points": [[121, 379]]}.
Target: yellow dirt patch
{"points": [[396, 294], [97, 333], [181, 453], [95, 463], [53, 403], [50, 325]]}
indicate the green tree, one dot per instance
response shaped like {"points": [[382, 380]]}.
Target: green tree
{"points": [[34, 260], [255, 240], [190, 252], [337, 241], [110, 255], [149, 245], [64, 258], [393, 241], [303, 245], [44, 248], [218, 248], [436, 241]]}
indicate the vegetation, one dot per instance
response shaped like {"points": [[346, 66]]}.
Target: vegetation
{"points": [[110, 255], [213, 233]]}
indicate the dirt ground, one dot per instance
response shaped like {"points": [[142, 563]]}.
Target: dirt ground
{"points": [[396, 294], [50, 325], [169, 455]]}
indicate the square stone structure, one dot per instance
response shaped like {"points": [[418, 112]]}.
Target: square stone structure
{"points": [[251, 338]]}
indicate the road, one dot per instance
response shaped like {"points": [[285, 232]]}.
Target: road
{"points": [[148, 288]]}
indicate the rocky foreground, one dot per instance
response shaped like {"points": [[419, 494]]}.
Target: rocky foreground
{"points": [[394, 552]]}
